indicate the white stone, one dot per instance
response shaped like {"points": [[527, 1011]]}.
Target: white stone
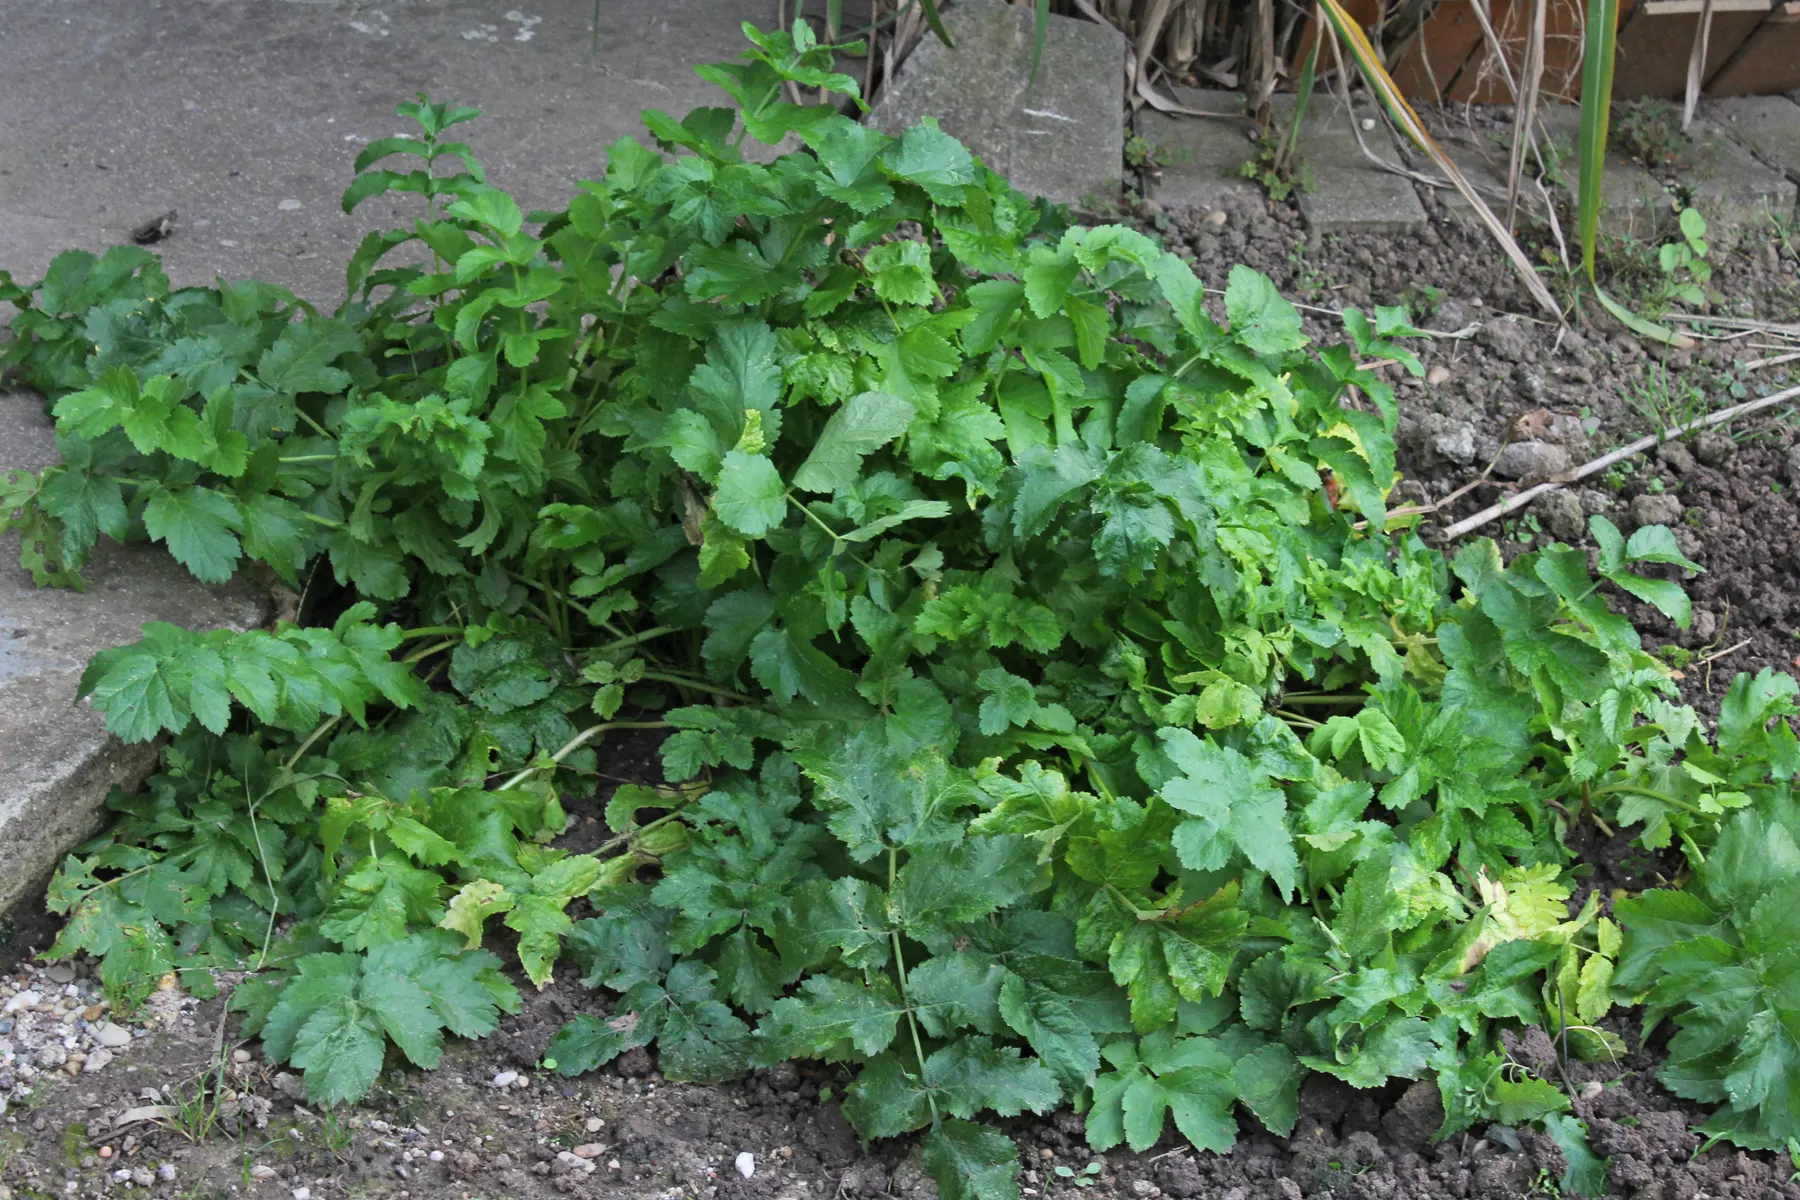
{"points": [[23, 1000], [113, 1036], [506, 1079], [746, 1164], [301, 1193], [290, 205]]}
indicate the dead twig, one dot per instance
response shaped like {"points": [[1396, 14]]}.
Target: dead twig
{"points": [[1775, 361], [1525, 497]]}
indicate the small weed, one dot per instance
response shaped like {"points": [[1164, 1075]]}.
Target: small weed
{"points": [[1263, 168], [1676, 656], [1083, 1178], [194, 1107], [1664, 402], [1147, 157], [1648, 130], [1545, 1184], [1619, 474], [74, 1143], [1422, 299], [1309, 281], [336, 1132], [1685, 268]]}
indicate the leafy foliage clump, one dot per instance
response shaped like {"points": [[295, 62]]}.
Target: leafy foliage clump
{"points": [[1053, 715]]}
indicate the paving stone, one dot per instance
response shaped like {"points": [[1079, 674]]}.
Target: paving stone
{"points": [[244, 116], [1062, 136], [56, 759], [1350, 194], [1732, 190], [1632, 203], [1201, 169], [1769, 126]]}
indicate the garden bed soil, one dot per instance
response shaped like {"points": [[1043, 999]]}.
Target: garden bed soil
{"points": [[1734, 500]]}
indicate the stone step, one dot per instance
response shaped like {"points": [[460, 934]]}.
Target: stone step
{"points": [[1343, 192], [57, 762], [1060, 135]]}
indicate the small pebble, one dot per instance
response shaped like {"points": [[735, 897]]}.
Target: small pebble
{"points": [[1217, 216], [122, 1175], [1437, 375], [301, 1193], [259, 1171], [289, 205], [113, 1036], [595, 1124], [506, 1079], [746, 1164], [60, 973], [166, 1172], [93, 1013], [436, 1156], [240, 1056], [106, 1152], [592, 1150]]}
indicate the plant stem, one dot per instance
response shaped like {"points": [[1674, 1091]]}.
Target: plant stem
{"points": [[697, 685], [905, 1002], [428, 651], [575, 743], [430, 631], [319, 731], [635, 639]]}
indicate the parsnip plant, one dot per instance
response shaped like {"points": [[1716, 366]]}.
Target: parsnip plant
{"points": [[1051, 716]]}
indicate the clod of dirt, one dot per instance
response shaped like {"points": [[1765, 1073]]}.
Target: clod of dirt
{"points": [[1531, 460], [1662, 509]]}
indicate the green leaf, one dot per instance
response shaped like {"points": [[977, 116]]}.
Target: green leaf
{"points": [[1586, 1173], [867, 422], [1260, 317], [199, 527], [750, 496], [971, 1162], [1236, 806], [502, 674]]}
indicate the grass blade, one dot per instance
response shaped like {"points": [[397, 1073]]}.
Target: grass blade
{"points": [[1368, 62], [1303, 91], [1596, 114], [936, 21]]}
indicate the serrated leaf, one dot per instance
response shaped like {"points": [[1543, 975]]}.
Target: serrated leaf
{"points": [[865, 423], [750, 497]]}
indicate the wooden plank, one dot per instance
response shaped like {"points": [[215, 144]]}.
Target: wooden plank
{"points": [[1655, 45], [1437, 52], [1481, 82], [1769, 60]]}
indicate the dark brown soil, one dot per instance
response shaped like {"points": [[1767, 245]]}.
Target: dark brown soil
{"points": [[1738, 515]]}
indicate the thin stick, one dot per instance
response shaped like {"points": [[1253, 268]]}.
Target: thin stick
{"points": [[1736, 323], [1722, 653], [1621, 454], [1777, 360], [1697, 64]]}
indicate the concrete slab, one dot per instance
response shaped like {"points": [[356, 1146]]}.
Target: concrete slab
{"points": [[1062, 136], [1632, 203], [1204, 153], [244, 115], [1732, 190], [1768, 126], [1350, 194], [57, 761]]}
